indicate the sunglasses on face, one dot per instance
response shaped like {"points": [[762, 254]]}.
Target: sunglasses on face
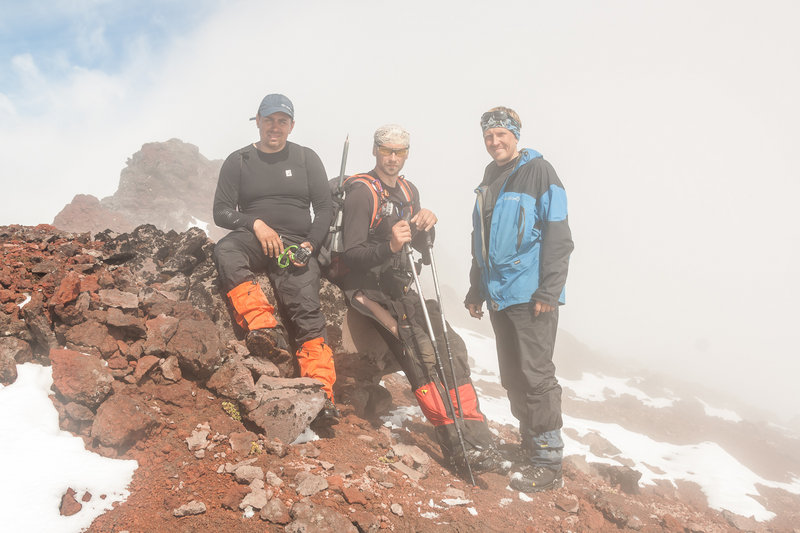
{"points": [[385, 150]]}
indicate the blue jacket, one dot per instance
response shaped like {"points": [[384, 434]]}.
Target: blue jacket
{"points": [[525, 252]]}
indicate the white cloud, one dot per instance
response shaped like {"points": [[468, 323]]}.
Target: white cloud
{"points": [[6, 107], [25, 67]]}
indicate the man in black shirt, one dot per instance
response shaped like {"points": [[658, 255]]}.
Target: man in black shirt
{"points": [[264, 193], [382, 213]]}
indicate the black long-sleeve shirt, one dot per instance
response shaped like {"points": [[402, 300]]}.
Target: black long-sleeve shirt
{"points": [[278, 189]]}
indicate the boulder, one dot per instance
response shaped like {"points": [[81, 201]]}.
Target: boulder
{"points": [[132, 326], [233, 380], [275, 511], [309, 484], [144, 365], [121, 421], [196, 343], [80, 378], [190, 509], [284, 407], [308, 516], [40, 329], [118, 298], [159, 332], [8, 368], [91, 337], [170, 368]]}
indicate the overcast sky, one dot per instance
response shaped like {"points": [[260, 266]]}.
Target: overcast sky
{"points": [[673, 125]]}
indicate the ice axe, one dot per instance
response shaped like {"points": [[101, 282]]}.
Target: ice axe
{"points": [[410, 254]]}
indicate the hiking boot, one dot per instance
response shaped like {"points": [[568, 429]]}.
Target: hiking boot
{"points": [[328, 416], [536, 478], [269, 343], [483, 460]]}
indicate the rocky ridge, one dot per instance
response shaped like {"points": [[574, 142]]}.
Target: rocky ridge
{"points": [[167, 184], [147, 365]]}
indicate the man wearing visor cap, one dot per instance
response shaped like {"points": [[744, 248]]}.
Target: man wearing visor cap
{"points": [[521, 243], [264, 193]]}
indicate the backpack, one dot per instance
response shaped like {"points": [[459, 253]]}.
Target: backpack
{"points": [[333, 245]]}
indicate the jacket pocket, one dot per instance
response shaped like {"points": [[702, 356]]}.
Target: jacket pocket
{"points": [[520, 226]]}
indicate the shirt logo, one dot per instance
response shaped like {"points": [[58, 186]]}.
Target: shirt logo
{"points": [[289, 173]]}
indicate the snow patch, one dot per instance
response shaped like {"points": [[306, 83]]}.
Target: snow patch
{"points": [[307, 435], [39, 462], [455, 501], [725, 481], [598, 388], [725, 414], [397, 417], [196, 223]]}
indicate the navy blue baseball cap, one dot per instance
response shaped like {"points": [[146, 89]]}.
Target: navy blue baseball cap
{"points": [[274, 103]]}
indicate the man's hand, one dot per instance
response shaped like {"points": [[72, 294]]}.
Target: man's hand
{"points": [[310, 249], [475, 310], [424, 220], [401, 234], [540, 307], [270, 241]]}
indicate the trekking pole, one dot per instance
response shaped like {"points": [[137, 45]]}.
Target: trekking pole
{"points": [[407, 250], [429, 243]]}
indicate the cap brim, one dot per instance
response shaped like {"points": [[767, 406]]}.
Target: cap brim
{"points": [[276, 109]]}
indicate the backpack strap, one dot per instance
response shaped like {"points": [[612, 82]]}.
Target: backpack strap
{"points": [[379, 194], [407, 192], [374, 186]]}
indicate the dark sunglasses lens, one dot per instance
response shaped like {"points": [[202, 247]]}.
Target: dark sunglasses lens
{"points": [[401, 152], [496, 115]]}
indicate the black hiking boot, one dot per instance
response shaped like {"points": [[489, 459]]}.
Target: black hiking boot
{"points": [[536, 478], [483, 460], [269, 343], [328, 416]]}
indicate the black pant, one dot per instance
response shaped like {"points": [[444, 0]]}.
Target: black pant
{"points": [[239, 256], [525, 353], [414, 352]]}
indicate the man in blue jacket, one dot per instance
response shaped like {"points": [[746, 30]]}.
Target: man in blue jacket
{"points": [[521, 244]]}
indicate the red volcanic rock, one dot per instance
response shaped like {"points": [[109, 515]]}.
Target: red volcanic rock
{"points": [[89, 283], [8, 368], [196, 343], [168, 184], [353, 495], [143, 366], [17, 350], [92, 337], [80, 378], [159, 332], [69, 505], [85, 213], [68, 290], [121, 421]]}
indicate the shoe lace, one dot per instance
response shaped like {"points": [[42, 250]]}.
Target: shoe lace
{"points": [[537, 471]]}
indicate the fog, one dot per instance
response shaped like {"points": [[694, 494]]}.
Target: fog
{"points": [[673, 126]]}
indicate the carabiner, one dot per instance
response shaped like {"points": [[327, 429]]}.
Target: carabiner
{"points": [[286, 257]]}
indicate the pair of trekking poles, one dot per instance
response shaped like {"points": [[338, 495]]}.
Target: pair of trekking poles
{"points": [[440, 367], [457, 417]]}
